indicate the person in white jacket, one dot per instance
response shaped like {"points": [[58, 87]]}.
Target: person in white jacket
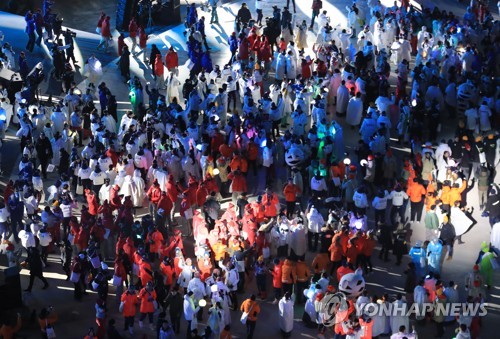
{"points": [[285, 307], [400, 318], [360, 200], [4, 218], [45, 239], [315, 222], [190, 311]]}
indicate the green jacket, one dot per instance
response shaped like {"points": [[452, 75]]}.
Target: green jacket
{"points": [[431, 220]]}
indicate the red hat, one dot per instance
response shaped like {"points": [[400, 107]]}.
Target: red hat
{"points": [[319, 296], [352, 168], [370, 157]]}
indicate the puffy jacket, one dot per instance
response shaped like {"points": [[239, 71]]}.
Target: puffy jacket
{"points": [[290, 192], [154, 194], [335, 249], [238, 182], [92, 202], [415, 192], [271, 205], [320, 263], [315, 220], [277, 273], [252, 308], [129, 301], [171, 60], [147, 298], [288, 272], [303, 273], [445, 195]]}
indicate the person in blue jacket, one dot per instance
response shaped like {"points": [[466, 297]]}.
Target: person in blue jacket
{"points": [[418, 256], [16, 207], [206, 62]]}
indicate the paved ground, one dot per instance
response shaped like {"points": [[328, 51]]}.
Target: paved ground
{"points": [[76, 317]]}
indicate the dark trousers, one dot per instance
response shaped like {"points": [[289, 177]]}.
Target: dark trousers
{"points": [[416, 210], [150, 317], [439, 329], [260, 16], [277, 293], [287, 288], [261, 282], [231, 98], [314, 16], [379, 216], [129, 322], [288, 5], [250, 328], [31, 42], [175, 319], [301, 286], [39, 276], [290, 208], [312, 237]]}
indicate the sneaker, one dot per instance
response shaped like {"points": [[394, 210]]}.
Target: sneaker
{"points": [[131, 331], [275, 301]]}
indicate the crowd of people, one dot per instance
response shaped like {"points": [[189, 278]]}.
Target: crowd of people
{"points": [[247, 161]]}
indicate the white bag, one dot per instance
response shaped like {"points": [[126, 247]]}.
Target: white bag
{"points": [[188, 214], [122, 304], [74, 277], [95, 285], [244, 318], [117, 281], [106, 233], [190, 65], [50, 168], [71, 238], [95, 261]]}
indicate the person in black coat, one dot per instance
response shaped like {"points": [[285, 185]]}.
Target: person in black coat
{"points": [[36, 268], [244, 14], [448, 236], [385, 239], [44, 152], [410, 281], [124, 63], [174, 302]]}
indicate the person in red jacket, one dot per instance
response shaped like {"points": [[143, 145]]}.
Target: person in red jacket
{"points": [[132, 31], [154, 195], [92, 202], [243, 50], [105, 34], [165, 206], [306, 69], [277, 284], [238, 184], [114, 197], [159, 72], [172, 61], [201, 194]]}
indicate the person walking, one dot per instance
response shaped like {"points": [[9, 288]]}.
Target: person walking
{"points": [[44, 152], [147, 296], [286, 315], [214, 19], [291, 191], [416, 192], [128, 305], [132, 31], [34, 262], [174, 304], [105, 34], [252, 308], [316, 8]]}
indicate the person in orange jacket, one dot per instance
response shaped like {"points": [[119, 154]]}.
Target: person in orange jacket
{"points": [[168, 272], [352, 252], [456, 192], [320, 263], [343, 270], [290, 192], [147, 296], [288, 275], [336, 251], [271, 204], [155, 241], [238, 163], [303, 277], [368, 246], [430, 200], [416, 193], [92, 202], [128, 305], [276, 272], [145, 271], [445, 196]]}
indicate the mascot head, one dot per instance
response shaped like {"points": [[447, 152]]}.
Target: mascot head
{"points": [[352, 284], [294, 157]]}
